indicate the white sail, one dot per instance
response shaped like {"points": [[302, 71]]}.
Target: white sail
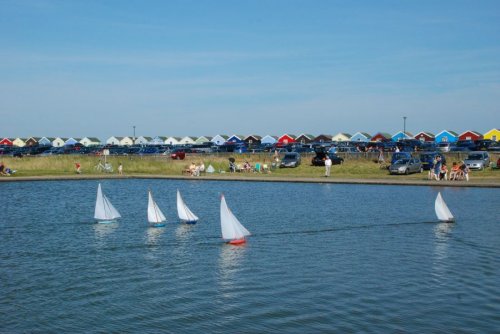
{"points": [[230, 226], [183, 211], [104, 210], [154, 213], [442, 211]]}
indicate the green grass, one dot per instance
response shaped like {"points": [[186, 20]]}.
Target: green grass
{"points": [[359, 168]]}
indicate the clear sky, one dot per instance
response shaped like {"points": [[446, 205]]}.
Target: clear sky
{"points": [[203, 67]]}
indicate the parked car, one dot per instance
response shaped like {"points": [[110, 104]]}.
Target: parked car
{"points": [[426, 158], [291, 159], [348, 149], [478, 160], [444, 147], [483, 144], [318, 160], [494, 147], [178, 154], [148, 150], [406, 166], [464, 145], [400, 155], [428, 146]]}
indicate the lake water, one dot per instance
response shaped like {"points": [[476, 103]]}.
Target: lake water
{"points": [[322, 258]]}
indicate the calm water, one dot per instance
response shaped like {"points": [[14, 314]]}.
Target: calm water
{"points": [[322, 258]]}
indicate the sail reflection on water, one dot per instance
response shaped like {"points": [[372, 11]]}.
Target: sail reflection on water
{"points": [[183, 232], [103, 230], [230, 264], [442, 234], [153, 235]]}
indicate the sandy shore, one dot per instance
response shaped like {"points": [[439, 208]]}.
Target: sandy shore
{"points": [[228, 177]]}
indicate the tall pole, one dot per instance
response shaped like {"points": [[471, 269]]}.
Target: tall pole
{"points": [[134, 134], [404, 127]]}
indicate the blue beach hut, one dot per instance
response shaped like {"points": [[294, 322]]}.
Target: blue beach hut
{"points": [[234, 139], [361, 137], [401, 136], [269, 140], [446, 136]]}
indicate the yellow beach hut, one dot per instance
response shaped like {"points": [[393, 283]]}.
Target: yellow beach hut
{"points": [[493, 134]]}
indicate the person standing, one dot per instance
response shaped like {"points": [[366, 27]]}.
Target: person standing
{"points": [[437, 167], [120, 169], [328, 166]]}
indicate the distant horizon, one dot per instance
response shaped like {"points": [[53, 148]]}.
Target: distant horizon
{"points": [[195, 67]]}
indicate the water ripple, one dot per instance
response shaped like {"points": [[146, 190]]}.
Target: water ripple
{"points": [[328, 259]]}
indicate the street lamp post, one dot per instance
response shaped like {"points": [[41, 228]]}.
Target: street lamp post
{"points": [[134, 134], [404, 127]]}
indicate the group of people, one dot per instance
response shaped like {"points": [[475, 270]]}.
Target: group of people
{"points": [[248, 168], [439, 171], [195, 170], [5, 171]]}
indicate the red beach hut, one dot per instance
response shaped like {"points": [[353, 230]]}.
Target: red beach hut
{"points": [[6, 142], [470, 135], [286, 139]]}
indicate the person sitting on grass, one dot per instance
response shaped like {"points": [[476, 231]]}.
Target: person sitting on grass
{"points": [[5, 170], [78, 168], [192, 169], [455, 168], [201, 168], [443, 174], [463, 172], [247, 167], [2, 169]]}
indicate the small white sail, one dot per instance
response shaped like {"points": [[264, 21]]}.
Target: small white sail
{"points": [[442, 211], [183, 211], [230, 225], [104, 210], [155, 215]]}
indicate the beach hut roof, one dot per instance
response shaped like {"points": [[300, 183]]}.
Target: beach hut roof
{"points": [[253, 137], [471, 131], [428, 134], [453, 133]]}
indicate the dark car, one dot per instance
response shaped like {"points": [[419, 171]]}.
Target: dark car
{"points": [[483, 144], [319, 159], [494, 147], [336, 160], [464, 145], [400, 155], [148, 150], [406, 166], [427, 159], [291, 159]]}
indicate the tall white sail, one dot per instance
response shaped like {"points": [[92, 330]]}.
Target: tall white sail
{"points": [[230, 225], [183, 211], [442, 211], [104, 210], [154, 213]]}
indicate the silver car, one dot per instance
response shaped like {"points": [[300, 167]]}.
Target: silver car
{"points": [[477, 160], [406, 166]]}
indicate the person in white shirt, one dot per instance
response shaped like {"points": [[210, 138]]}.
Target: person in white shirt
{"points": [[328, 166]]}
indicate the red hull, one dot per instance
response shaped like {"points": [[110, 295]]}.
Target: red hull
{"points": [[237, 241]]}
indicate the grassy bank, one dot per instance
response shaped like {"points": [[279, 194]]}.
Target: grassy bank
{"points": [[359, 167]]}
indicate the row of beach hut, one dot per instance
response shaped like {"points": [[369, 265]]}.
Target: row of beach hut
{"points": [[443, 136]]}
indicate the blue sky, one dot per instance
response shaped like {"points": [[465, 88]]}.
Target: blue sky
{"points": [[97, 68]]}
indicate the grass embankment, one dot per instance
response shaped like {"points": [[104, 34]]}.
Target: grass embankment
{"points": [[354, 167]]}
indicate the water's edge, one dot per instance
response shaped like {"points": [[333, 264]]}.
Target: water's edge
{"points": [[387, 182]]}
